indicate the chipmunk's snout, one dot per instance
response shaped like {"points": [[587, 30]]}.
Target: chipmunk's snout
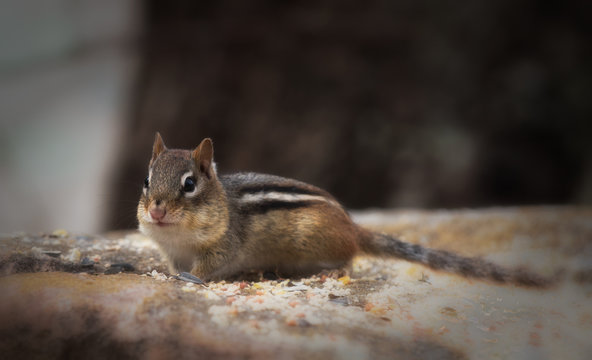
{"points": [[156, 211]]}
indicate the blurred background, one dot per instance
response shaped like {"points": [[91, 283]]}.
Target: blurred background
{"points": [[400, 104]]}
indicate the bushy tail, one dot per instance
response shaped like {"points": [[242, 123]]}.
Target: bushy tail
{"points": [[473, 267]]}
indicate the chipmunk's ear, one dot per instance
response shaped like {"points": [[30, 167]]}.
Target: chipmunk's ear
{"points": [[157, 148], [203, 155]]}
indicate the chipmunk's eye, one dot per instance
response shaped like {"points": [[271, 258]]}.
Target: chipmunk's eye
{"points": [[146, 182], [189, 185]]}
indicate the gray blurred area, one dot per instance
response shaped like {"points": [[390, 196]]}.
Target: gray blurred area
{"points": [[65, 72], [383, 103]]}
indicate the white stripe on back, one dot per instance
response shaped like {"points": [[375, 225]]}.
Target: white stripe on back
{"points": [[278, 196]]}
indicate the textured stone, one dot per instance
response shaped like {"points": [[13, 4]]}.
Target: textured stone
{"points": [[54, 307]]}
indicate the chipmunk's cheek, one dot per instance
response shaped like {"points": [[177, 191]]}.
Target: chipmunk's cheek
{"points": [[189, 221], [183, 222], [141, 214], [146, 216]]}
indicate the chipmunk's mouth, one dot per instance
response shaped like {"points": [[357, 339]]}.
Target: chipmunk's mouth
{"points": [[163, 224]]}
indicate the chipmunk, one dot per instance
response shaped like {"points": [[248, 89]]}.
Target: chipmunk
{"points": [[218, 226]]}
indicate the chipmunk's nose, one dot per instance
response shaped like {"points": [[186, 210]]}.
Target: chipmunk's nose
{"points": [[157, 213]]}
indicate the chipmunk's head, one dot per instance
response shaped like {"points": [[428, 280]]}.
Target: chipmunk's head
{"points": [[180, 188]]}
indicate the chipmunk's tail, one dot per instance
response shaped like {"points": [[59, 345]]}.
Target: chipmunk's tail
{"points": [[473, 267]]}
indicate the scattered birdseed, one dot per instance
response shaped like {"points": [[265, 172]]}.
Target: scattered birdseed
{"points": [[157, 276], [87, 262], [73, 256], [60, 233], [52, 253]]}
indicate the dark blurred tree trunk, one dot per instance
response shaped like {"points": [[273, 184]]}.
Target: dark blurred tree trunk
{"points": [[383, 103]]}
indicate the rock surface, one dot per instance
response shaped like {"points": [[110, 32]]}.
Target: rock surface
{"points": [[66, 295]]}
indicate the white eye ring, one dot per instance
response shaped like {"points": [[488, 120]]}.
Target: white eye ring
{"points": [[145, 188], [183, 178]]}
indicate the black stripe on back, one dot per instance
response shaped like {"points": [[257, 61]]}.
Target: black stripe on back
{"points": [[262, 207], [287, 189]]}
